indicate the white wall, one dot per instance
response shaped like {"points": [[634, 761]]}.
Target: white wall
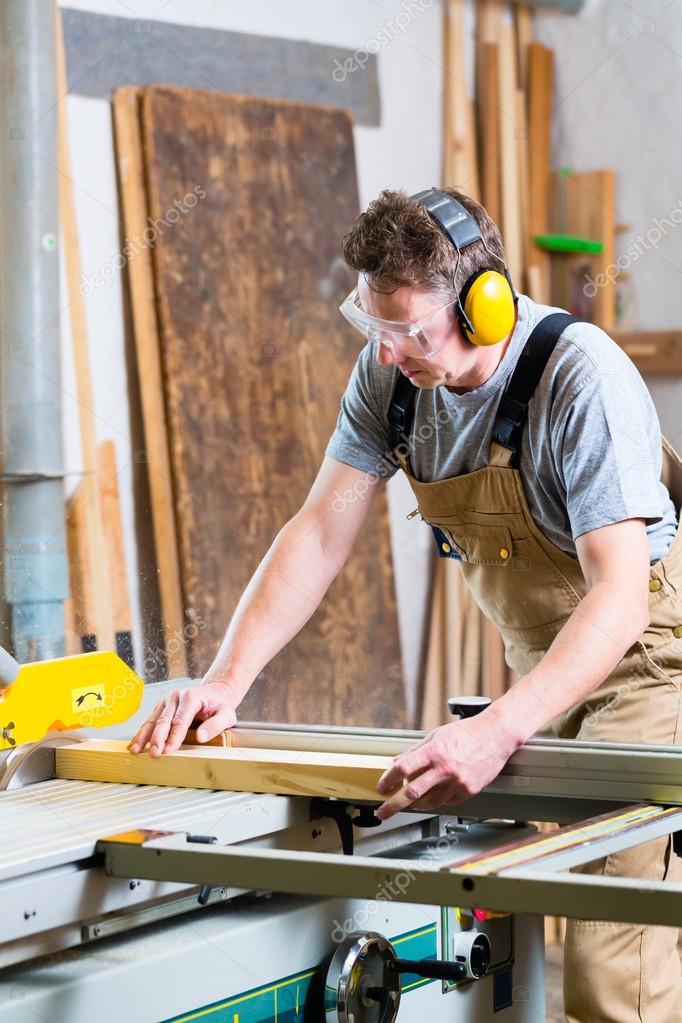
{"points": [[404, 151], [617, 104]]}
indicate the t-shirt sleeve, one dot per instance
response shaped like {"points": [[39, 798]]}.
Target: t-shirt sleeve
{"points": [[361, 436], [607, 451]]}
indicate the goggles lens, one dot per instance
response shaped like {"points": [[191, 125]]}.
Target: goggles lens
{"points": [[420, 340]]}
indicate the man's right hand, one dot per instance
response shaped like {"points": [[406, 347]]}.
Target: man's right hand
{"points": [[212, 703]]}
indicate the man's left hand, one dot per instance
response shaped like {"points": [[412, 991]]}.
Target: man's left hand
{"points": [[450, 764]]}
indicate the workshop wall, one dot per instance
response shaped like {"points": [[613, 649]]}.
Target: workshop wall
{"points": [[617, 99], [402, 150]]}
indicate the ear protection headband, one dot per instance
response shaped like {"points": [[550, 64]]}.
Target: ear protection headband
{"points": [[485, 305]]}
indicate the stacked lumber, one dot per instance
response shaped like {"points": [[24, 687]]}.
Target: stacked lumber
{"points": [[558, 230], [509, 154], [496, 148]]}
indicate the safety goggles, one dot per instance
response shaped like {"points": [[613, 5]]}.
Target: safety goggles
{"points": [[421, 339]]}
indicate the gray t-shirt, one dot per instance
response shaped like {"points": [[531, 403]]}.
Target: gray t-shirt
{"points": [[591, 449]]}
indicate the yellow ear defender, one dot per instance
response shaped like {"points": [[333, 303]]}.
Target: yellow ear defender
{"points": [[485, 305], [487, 299]]}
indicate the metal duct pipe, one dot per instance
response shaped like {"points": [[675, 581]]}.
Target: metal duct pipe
{"points": [[35, 567]]}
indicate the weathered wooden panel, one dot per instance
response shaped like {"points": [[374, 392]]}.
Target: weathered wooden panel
{"points": [[256, 357]]}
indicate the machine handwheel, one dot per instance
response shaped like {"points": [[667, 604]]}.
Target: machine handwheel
{"points": [[361, 987]]}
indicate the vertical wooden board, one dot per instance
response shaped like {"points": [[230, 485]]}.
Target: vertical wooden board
{"points": [[140, 283], [460, 164], [523, 31], [540, 84], [584, 206], [489, 19], [509, 162], [489, 129], [456, 629], [497, 677], [256, 357], [114, 553], [80, 608], [522, 164], [596, 202]]}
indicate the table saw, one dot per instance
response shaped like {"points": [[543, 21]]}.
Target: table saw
{"points": [[155, 903]]}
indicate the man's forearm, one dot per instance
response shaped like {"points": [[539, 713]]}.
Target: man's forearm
{"points": [[282, 595], [585, 651]]}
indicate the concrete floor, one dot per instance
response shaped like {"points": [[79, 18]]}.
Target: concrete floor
{"points": [[554, 961]]}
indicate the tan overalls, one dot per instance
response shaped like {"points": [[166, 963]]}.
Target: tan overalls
{"points": [[614, 973]]}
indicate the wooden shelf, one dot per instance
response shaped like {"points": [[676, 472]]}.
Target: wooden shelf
{"points": [[655, 352]]}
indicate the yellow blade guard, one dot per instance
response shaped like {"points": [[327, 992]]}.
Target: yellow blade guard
{"points": [[85, 691]]}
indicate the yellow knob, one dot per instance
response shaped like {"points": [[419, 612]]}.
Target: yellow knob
{"points": [[446, 547], [504, 553], [677, 632], [654, 585]]}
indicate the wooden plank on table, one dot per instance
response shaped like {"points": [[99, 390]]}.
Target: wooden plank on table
{"points": [[540, 85], [107, 483], [284, 772], [99, 612], [255, 359], [140, 282]]}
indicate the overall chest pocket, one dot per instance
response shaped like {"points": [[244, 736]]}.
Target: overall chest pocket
{"points": [[478, 544]]}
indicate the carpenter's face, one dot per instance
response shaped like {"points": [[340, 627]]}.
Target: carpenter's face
{"points": [[453, 357]]}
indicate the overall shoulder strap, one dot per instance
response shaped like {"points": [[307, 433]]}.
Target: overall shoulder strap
{"points": [[401, 413], [511, 412], [513, 407]]}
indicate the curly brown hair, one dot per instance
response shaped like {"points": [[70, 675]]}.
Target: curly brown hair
{"points": [[396, 244]]}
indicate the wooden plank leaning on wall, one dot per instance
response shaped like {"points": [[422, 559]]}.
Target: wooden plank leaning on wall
{"points": [[140, 282]]}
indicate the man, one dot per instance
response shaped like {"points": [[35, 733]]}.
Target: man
{"points": [[537, 463]]}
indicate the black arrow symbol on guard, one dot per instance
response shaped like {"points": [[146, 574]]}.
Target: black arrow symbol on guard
{"points": [[80, 699]]}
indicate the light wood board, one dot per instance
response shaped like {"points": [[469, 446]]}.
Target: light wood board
{"points": [[584, 283], [540, 84], [489, 129], [284, 772], [509, 155], [117, 579]]}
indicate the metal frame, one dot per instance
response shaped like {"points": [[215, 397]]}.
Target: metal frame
{"points": [[541, 888], [559, 780]]}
